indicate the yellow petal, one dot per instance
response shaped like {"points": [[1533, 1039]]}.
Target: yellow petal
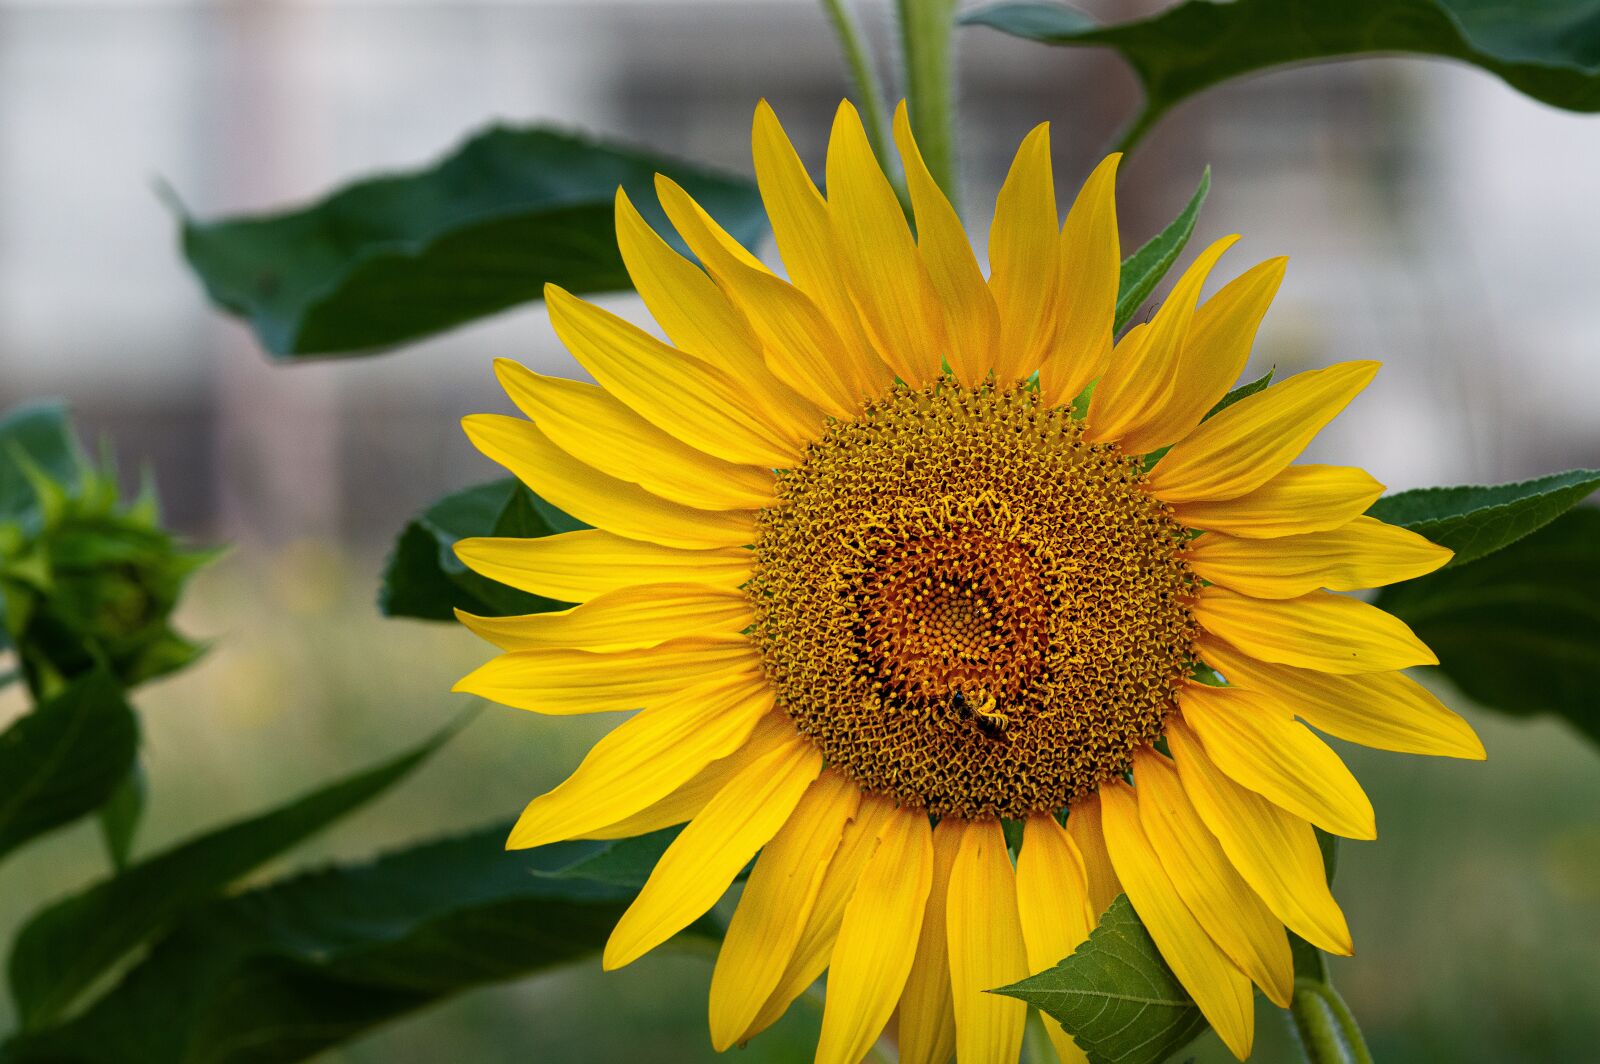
{"points": [[799, 343], [1217, 986], [1213, 356], [700, 321], [625, 619], [1322, 631], [877, 939], [1053, 904], [878, 256], [927, 1030], [1235, 918], [1135, 392], [1385, 710], [1266, 750], [1308, 498], [600, 432], [1248, 443], [822, 929], [1024, 259], [1364, 553], [1275, 851], [804, 234], [675, 392], [972, 322], [986, 948], [1083, 825], [644, 759], [703, 860], [565, 681], [1086, 298], [771, 731], [776, 903], [596, 499], [578, 566]]}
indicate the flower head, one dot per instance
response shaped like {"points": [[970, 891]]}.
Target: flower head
{"points": [[888, 552]]}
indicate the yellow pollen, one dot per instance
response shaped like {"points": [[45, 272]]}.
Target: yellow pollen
{"points": [[969, 608]]}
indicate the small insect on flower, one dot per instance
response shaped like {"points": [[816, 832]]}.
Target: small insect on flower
{"points": [[877, 587]]}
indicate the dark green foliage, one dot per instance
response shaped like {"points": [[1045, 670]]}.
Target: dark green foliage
{"points": [[424, 578], [1519, 630], [65, 948], [396, 258], [282, 972], [1115, 995], [65, 758], [1548, 49], [1475, 520]]}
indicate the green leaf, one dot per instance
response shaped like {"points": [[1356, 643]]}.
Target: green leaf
{"points": [[122, 813], [1143, 270], [38, 434], [396, 258], [1244, 391], [66, 947], [1549, 50], [65, 759], [285, 971], [1474, 521], [424, 578], [1519, 631], [619, 862], [1115, 995]]}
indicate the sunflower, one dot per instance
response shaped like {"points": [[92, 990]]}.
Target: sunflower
{"points": [[890, 555]]}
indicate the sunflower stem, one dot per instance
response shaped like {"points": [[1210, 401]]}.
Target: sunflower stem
{"points": [[1328, 1030], [869, 90], [1135, 131], [926, 55], [1036, 1047]]}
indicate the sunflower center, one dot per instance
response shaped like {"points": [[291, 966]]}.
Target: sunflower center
{"points": [[968, 607]]}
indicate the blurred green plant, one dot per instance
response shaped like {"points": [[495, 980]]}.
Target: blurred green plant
{"points": [[1544, 48], [88, 585], [86, 581]]}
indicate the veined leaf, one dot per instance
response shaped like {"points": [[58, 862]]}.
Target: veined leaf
{"points": [[1519, 630], [395, 258], [1546, 50], [1474, 521], [66, 947], [424, 578], [1115, 995], [283, 972], [1143, 270], [65, 759]]}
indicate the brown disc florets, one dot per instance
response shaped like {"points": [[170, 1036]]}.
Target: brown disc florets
{"points": [[968, 607]]}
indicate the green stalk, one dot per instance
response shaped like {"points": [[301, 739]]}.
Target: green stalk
{"points": [[925, 31], [868, 89], [1328, 1031]]}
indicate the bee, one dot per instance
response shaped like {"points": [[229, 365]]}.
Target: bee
{"points": [[990, 721]]}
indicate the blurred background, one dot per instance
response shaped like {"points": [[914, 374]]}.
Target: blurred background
{"points": [[1434, 218]]}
